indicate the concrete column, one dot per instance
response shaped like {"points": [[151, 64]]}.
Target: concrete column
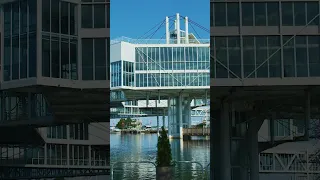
{"points": [[179, 115], [158, 125], [307, 115], [225, 160], [163, 121], [254, 156], [169, 118]]}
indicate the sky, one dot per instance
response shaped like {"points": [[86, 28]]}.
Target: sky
{"points": [[133, 18]]}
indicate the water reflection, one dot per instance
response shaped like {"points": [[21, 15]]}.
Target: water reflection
{"points": [[143, 147]]}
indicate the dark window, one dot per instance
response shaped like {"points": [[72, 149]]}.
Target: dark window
{"points": [[55, 53], [273, 13], [15, 58], [247, 14], [55, 16], [23, 16], [32, 55], [248, 56], [221, 54], [288, 56], [87, 16], [100, 16], [211, 14], [74, 60], [261, 56], [15, 18], [314, 57], [233, 14], [301, 56], [87, 59], [274, 56], [64, 17], [46, 15], [7, 19], [287, 13], [65, 64], [100, 59], [312, 13], [260, 14], [299, 13], [234, 54], [72, 19], [220, 14], [32, 15], [7, 59], [45, 58], [23, 56]]}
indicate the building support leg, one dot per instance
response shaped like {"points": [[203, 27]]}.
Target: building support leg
{"points": [[158, 125]]}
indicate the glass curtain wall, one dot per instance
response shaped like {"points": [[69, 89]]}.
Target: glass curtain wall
{"points": [[19, 27], [172, 66], [59, 39]]}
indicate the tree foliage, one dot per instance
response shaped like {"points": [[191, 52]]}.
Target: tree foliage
{"points": [[124, 123], [164, 156]]}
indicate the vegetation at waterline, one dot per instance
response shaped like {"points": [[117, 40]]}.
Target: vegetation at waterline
{"points": [[125, 123]]}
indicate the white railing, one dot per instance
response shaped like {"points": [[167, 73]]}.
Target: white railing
{"points": [[156, 41]]}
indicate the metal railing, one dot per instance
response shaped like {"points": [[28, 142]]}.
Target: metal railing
{"points": [[202, 172]]}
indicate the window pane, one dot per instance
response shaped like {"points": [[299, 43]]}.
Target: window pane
{"points": [[287, 13], [247, 14], [248, 56], [314, 57], [23, 16], [261, 56], [32, 15], [23, 56], [233, 14], [65, 65], [87, 59], [7, 59], [299, 14], [221, 60], [15, 18], [301, 56], [288, 56], [55, 16], [99, 16], [15, 58], [7, 19], [32, 55], [260, 14], [220, 14], [234, 54], [100, 59], [74, 61], [312, 11], [64, 17], [72, 19], [46, 15], [86, 16], [273, 14], [275, 56], [45, 58], [55, 53]]}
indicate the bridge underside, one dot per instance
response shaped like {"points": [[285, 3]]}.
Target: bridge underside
{"points": [[237, 114]]}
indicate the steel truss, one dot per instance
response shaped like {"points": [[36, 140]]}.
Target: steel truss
{"points": [[12, 173]]}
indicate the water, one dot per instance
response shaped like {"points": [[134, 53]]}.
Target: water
{"points": [[143, 147]]}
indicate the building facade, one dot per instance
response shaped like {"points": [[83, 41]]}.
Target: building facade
{"points": [[54, 57]]}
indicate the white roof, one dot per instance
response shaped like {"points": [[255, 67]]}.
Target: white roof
{"points": [[311, 146]]}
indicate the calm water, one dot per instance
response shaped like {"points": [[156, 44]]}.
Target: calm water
{"points": [[143, 147]]}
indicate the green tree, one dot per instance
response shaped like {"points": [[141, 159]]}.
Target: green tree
{"points": [[124, 123], [164, 156]]}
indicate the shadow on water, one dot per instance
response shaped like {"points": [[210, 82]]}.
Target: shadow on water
{"points": [[143, 147]]}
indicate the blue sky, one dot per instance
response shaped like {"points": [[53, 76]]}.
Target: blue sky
{"points": [[133, 18]]}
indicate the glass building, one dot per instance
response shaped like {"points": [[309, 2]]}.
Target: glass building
{"points": [[161, 66], [273, 39], [56, 39]]}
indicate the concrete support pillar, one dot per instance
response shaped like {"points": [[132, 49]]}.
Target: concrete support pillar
{"points": [[220, 144], [163, 121], [225, 143], [254, 156], [179, 111], [307, 115], [169, 118], [158, 125]]}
